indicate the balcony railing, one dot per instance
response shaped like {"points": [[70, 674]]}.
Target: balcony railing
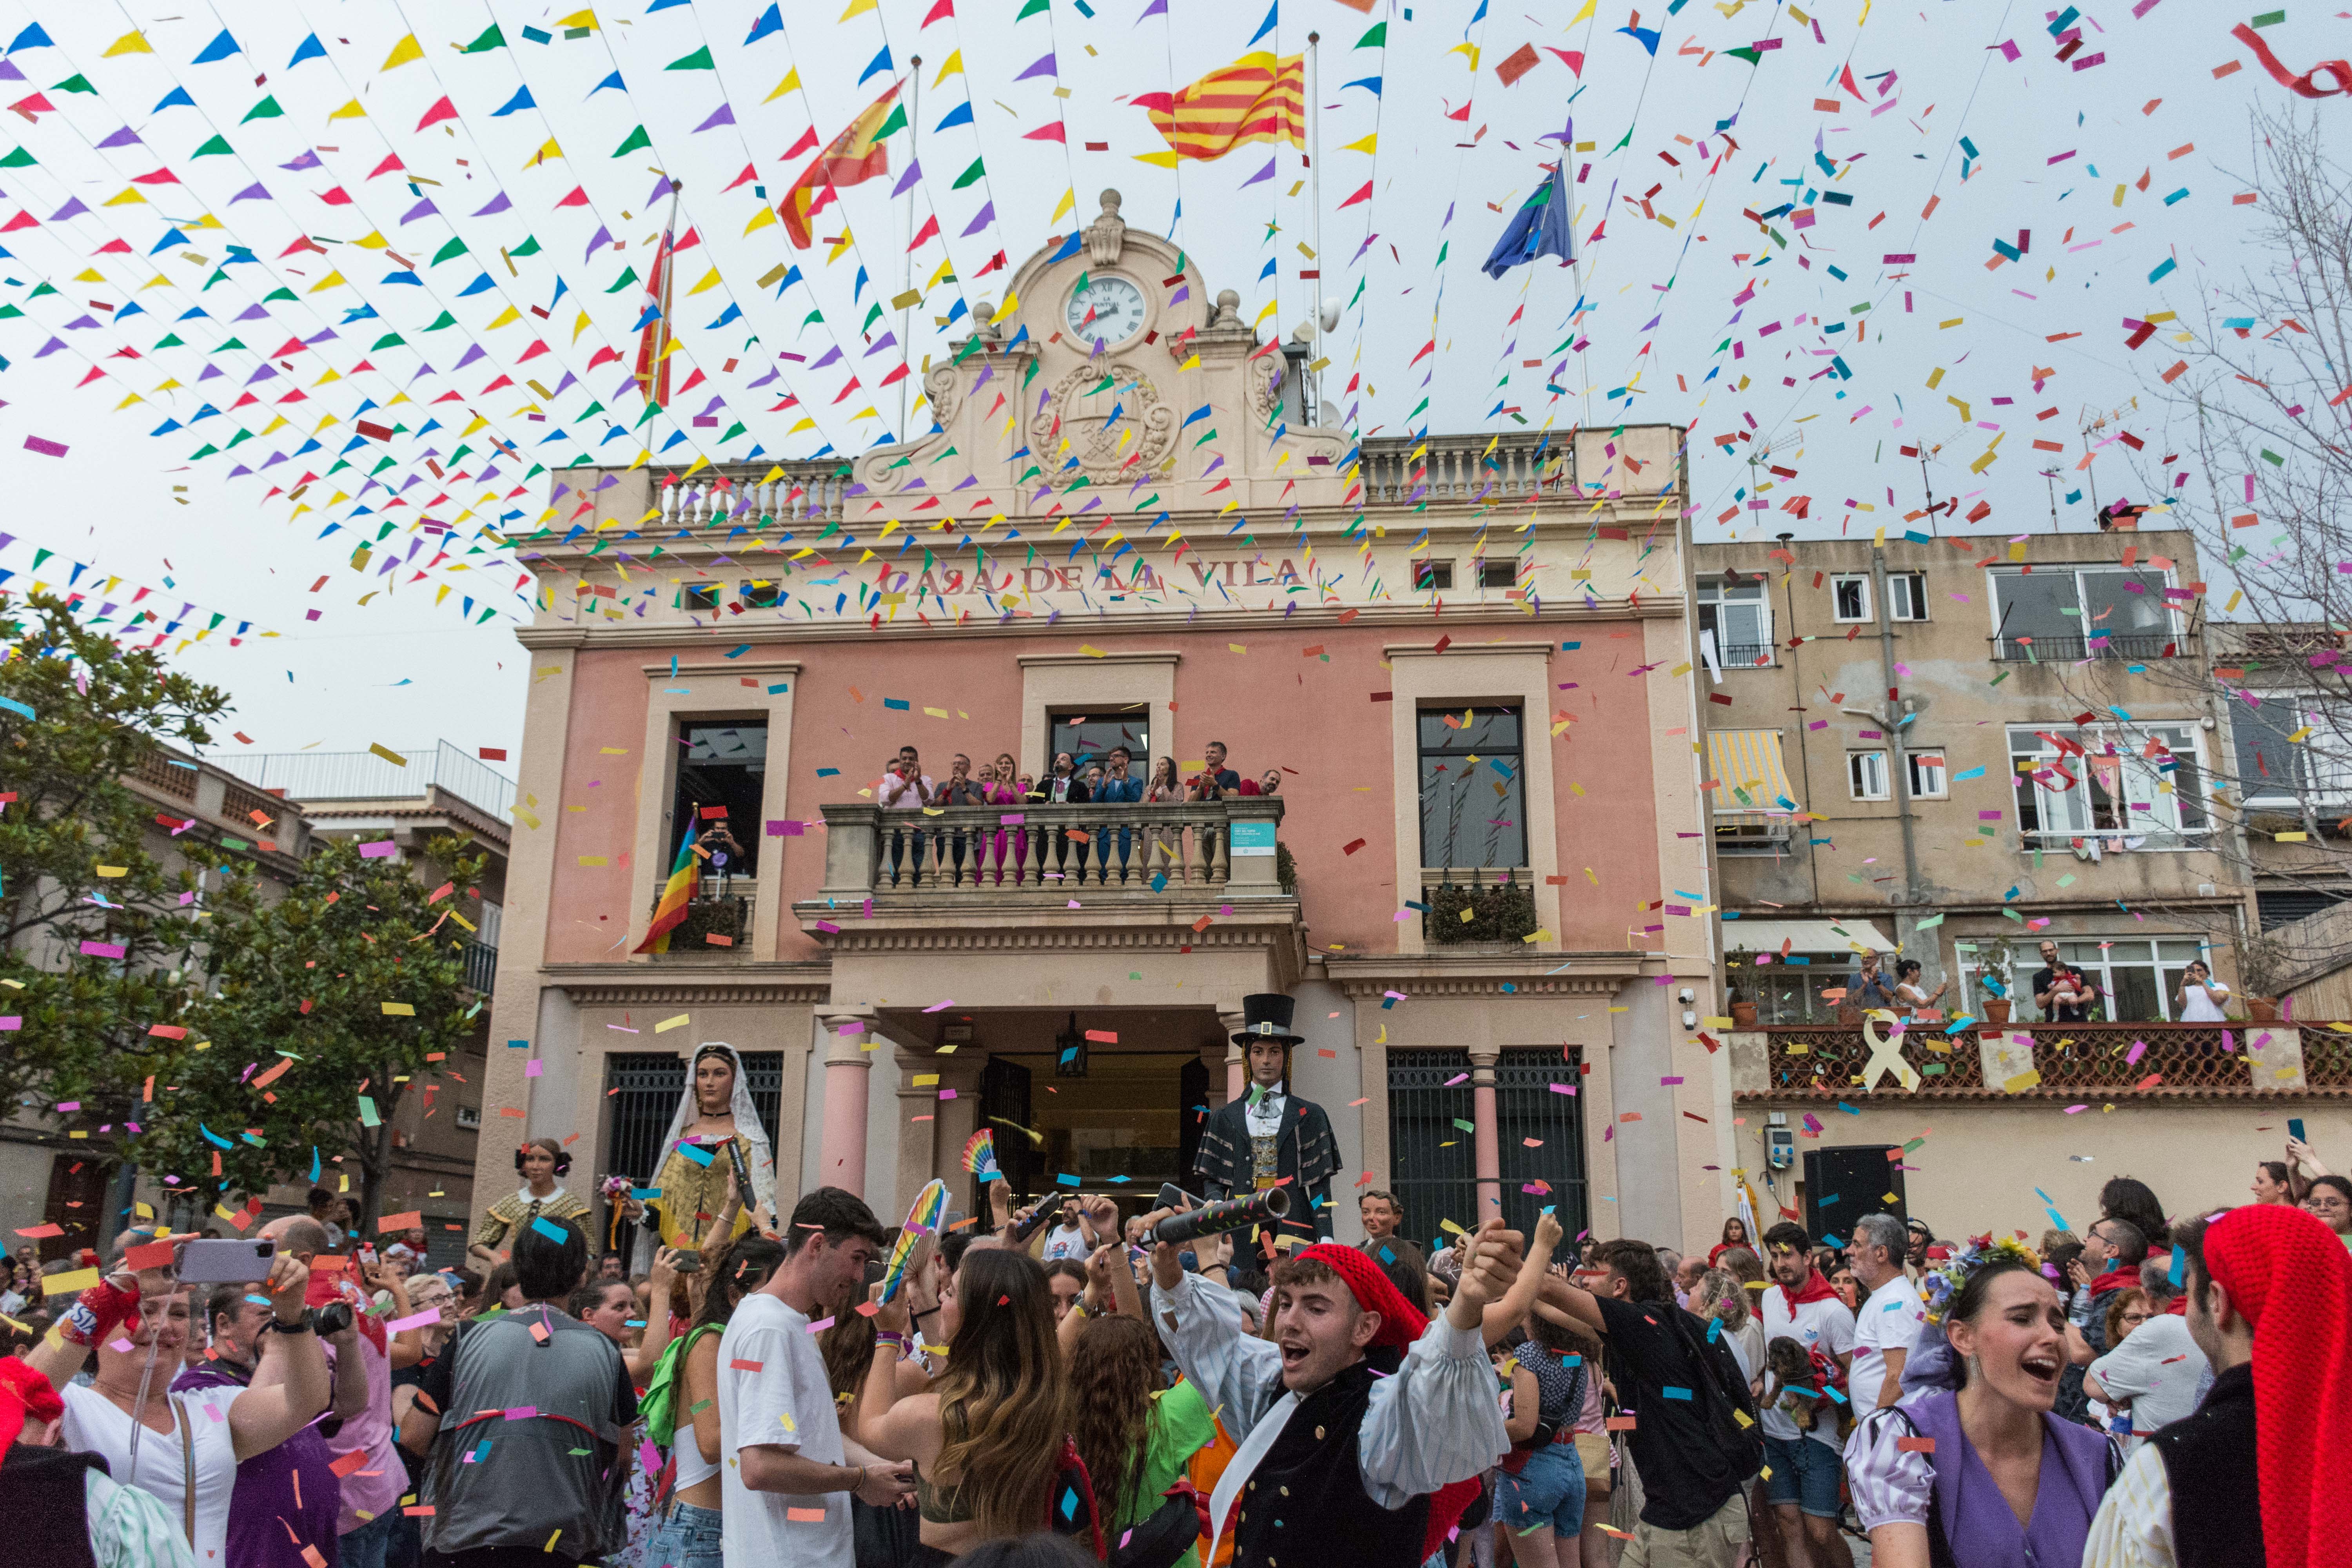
{"points": [[1744, 655], [481, 966], [1046, 852], [2066, 648], [1459, 468], [2067, 1061]]}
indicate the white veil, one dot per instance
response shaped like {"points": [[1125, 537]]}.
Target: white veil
{"points": [[747, 1122]]}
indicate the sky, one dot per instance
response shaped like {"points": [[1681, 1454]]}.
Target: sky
{"points": [[1852, 329]]}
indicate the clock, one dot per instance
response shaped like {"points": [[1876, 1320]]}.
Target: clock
{"points": [[1109, 309]]}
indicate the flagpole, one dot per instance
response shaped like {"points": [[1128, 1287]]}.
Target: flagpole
{"points": [[914, 130], [1315, 195], [659, 368]]}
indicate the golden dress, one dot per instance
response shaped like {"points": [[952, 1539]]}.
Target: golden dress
{"points": [[692, 1194], [520, 1208]]}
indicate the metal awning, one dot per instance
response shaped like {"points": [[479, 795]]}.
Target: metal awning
{"points": [[1803, 936], [1752, 782]]}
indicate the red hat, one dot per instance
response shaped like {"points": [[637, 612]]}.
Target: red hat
{"points": [[23, 1392], [1400, 1321], [2291, 1278]]}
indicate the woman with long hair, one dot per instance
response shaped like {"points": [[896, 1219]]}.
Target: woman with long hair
{"points": [[680, 1409], [1165, 789], [1135, 1434], [986, 1438], [1734, 1234], [1004, 788]]}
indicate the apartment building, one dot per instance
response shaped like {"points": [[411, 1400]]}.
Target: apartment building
{"points": [[1465, 662]]}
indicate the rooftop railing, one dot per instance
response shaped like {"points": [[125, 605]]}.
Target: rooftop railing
{"points": [[315, 777]]}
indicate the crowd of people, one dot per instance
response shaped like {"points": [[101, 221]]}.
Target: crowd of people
{"points": [[2163, 1388]]}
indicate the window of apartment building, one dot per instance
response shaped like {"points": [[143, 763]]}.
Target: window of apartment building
{"points": [[1789, 989], [1865, 776], [1739, 616], [2068, 613], [1498, 573], [1473, 799], [1927, 778], [2135, 976], [1907, 596], [2116, 786], [720, 779], [703, 598], [2275, 770], [763, 595], [1432, 577], [1850, 598], [1089, 738]]}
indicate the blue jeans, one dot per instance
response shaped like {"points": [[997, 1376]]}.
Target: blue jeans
{"points": [[1804, 1472], [687, 1538], [370, 1544], [1550, 1488]]}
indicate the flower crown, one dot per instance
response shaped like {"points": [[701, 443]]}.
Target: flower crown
{"points": [[1940, 1286]]}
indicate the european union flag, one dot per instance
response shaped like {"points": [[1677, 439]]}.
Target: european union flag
{"points": [[1538, 228]]}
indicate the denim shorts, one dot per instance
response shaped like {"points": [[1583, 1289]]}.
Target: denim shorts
{"points": [[687, 1537], [1549, 1490], [1804, 1472]]}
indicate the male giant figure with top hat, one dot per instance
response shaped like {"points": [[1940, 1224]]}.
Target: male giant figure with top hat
{"points": [[1270, 1137]]}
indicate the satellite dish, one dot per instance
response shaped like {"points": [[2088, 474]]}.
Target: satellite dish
{"points": [[1329, 314]]}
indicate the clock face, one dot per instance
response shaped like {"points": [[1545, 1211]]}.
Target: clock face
{"points": [[1108, 310]]}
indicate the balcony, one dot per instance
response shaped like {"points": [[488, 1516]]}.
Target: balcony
{"points": [[2146, 1061], [481, 962], [1407, 470], [1042, 853], [2067, 648]]}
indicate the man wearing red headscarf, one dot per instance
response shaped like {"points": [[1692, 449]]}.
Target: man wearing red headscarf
{"points": [[63, 1509], [1337, 1464], [2257, 1475]]}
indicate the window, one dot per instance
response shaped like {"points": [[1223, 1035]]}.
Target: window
{"points": [[1907, 596], [1927, 779], [2276, 770], [1498, 573], [1850, 598], [719, 781], [1744, 837], [470, 1117], [2109, 785], [1473, 806], [2070, 614], [1432, 577], [2136, 978], [702, 596], [1089, 738], [1738, 618], [763, 595], [1789, 989], [1866, 775]]}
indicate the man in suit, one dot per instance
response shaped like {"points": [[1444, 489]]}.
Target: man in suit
{"points": [[1270, 1137]]}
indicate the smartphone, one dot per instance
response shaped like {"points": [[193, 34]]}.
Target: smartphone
{"points": [[689, 1260], [1172, 1196], [226, 1261], [2295, 1129]]}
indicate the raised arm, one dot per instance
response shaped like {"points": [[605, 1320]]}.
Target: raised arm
{"points": [[1437, 1420], [1501, 1317], [261, 1418], [1565, 1302], [642, 1360]]}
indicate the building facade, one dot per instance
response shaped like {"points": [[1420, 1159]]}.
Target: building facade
{"points": [[1465, 663]]}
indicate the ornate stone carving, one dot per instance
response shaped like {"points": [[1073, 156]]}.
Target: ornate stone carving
{"points": [[943, 384], [1085, 415], [1105, 235]]}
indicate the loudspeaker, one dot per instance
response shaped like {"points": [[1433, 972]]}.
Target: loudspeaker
{"points": [[1844, 1182]]}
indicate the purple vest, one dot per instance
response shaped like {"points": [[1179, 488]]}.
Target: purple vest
{"points": [[1976, 1522]]}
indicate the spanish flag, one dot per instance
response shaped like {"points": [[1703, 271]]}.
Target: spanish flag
{"points": [[854, 156], [1257, 99], [671, 910], [654, 336]]}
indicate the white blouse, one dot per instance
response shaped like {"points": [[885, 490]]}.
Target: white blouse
{"points": [[94, 1424]]}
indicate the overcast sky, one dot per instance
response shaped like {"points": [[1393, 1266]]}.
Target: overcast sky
{"points": [[2005, 144]]}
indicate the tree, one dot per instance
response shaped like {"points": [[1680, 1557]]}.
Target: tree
{"points": [[354, 984], [97, 931]]}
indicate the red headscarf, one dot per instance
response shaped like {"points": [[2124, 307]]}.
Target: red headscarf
{"points": [[23, 1393], [1402, 1322], [2291, 1280]]}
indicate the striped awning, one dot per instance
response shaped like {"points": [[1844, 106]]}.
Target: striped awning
{"points": [[1750, 782]]}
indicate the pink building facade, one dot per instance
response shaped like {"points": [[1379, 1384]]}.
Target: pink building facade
{"points": [[1484, 875]]}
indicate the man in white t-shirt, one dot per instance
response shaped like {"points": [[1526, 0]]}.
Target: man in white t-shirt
{"points": [[1889, 1320], [787, 1471], [1805, 1466]]}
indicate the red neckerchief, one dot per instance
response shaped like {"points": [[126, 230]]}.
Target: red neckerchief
{"points": [[2116, 1279], [1815, 1289], [2176, 1308]]}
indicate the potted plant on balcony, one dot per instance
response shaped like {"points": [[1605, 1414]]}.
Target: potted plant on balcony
{"points": [[1735, 992], [2261, 970], [1996, 967]]}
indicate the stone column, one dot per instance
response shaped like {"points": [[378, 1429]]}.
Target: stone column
{"points": [[1486, 1139], [848, 1065]]}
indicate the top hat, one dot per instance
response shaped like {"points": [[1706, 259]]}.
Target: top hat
{"points": [[1267, 1017]]}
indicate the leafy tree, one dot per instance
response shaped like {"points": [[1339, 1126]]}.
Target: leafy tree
{"points": [[95, 931], [324, 1008]]}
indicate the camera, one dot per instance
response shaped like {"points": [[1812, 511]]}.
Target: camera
{"points": [[332, 1319]]}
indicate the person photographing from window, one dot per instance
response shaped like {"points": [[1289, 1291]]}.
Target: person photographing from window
{"points": [[2200, 998]]}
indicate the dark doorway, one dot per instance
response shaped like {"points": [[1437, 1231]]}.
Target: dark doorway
{"points": [[76, 1200], [1192, 1095], [720, 775], [1004, 1099]]}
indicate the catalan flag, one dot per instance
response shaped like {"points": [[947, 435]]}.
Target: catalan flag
{"points": [[671, 911], [854, 156], [1257, 99]]}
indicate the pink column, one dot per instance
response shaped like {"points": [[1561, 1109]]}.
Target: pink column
{"points": [[1485, 1141], [841, 1161]]}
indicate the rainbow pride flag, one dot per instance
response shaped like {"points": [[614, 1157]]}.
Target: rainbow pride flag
{"points": [[676, 895]]}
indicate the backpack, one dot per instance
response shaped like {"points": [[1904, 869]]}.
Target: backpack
{"points": [[1728, 1408], [1155, 1541]]}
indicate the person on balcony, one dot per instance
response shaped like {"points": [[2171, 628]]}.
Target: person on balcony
{"points": [[2200, 997], [903, 788], [1267, 1137], [1000, 788], [1063, 786], [1118, 787], [1167, 848], [1265, 784], [1908, 991], [2059, 991]]}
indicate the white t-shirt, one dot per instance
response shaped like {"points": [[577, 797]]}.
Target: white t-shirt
{"points": [[1065, 1241], [2197, 1008], [2159, 1370], [787, 1402], [1890, 1321], [95, 1425], [1825, 1323]]}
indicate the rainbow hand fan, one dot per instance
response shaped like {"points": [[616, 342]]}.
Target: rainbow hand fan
{"points": [[980, 1155], [923, 1222]]}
